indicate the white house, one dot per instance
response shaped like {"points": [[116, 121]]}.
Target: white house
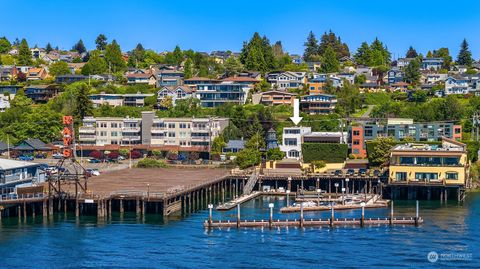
{"points": [[287, 80], [292, 141], [175, 92]]}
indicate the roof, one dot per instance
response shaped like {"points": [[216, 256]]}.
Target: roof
{"points": [[3, 146], [200, 79], [140, 75], [6, 164], [235, 144], [279, 92], [186, 89], [32, 143], [241, 79]]}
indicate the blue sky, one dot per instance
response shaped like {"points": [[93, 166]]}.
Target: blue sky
{"points": [[223, 25]]}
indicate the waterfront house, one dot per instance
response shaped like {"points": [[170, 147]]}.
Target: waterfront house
{"points": [[435, 78], [248, 81], [14, 173], [141, 78], [292, 141], [213, 95], [233, 146], [318, 103], [425, 164], [432, 64], [175, 93], [41, 93]]}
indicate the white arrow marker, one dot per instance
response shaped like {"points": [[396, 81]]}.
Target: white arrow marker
{"points": [[296, 112]]}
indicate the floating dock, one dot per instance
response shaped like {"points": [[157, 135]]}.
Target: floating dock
{"points": [[238, 201]]}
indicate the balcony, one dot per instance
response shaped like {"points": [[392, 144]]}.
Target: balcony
{"points": [[87, 130], [158, 130], [131, 138], [131, 129], [87, 137]]}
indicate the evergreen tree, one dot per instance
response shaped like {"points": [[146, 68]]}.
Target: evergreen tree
{"points": [[330, 62], [257, 54], [233, 66], [380, 54], [330, 39], [79, 47], [429, 54], [5, 45], [59, 68], [278, 50], [188, 69], [113, 57], [311, 49], [83, 104], [101, 42], [363, 54], [24, 54], [95, 65], [464, 56], [411, 53], [137, 56], [48, 48], [178, 55], [412, 72]]}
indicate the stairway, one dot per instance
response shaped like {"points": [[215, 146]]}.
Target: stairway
{"points": [[250, 183]]}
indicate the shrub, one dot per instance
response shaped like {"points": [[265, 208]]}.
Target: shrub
{"points": [[248, 157], [151, 163], [333, 153], [113, 155], [135, 154], [275, 154], [96, 154], [194, 156]]}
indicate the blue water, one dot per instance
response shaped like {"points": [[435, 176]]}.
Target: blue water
{"points": [[129, 242]]}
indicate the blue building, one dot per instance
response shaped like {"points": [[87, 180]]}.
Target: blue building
{"points": [[169, 78], [14, 173], [213, 95], [271, 140], [394, 76], [67, 79]]}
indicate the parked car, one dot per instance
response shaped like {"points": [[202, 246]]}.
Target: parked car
{"points": [[95, 172], [121, 158], [362, 171], [40, 156], [338, 172], [94, 161], [57, 156], [350, 172], [25, 158], [376, 173]]}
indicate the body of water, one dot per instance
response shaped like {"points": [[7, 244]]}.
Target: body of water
{"points": [[450, 230]]}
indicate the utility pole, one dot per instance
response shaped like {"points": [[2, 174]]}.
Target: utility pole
{"points": [[8, 146], [476, 125]]}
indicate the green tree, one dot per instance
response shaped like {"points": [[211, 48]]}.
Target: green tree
{"points": [[218, 144], [412, 72], [330, 63], [101, 42], [445, 54], [24, 54], [363, 54], [188, 69], [79, 47], [137, 56], [95, 65], [177, 56], [166, 102], [59, 68], [84, 106], [233, 66], [113, 57], [419, 96], [380, 54], [330, 39], [5, 45], [411, 53], [464, 56], [348, 98], [311, 49], [381, 147], [48, 48], [20, 100], [255, 142], [275, 154], [247, 158], [257, 54]]}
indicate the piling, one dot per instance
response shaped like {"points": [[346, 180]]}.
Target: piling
{"points": [[50, 206], [44, 207], [301, 215], [270, 220], [416, 213], [238, 216], [391, 212], [137, 206], [362, 221], [121, 206], [332, 216], [33, 210]]}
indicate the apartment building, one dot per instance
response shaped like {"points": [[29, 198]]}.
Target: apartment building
{"points": [[444, 164], [151, 131], [400, 129], [272, 98], [318, 103]]}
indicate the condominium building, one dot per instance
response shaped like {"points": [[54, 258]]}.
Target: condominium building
{"points": [[318, 103], [149, 130], [400, 129], [444, 164]]}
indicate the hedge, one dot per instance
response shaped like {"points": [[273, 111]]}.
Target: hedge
{"points": [[330, 153]]}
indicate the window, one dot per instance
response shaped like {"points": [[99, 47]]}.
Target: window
{"points": [[407, 160], [103, 125], [293, 154], [451, 175], [426, 176], [103, 133], [114, 125], [114, 134], [451, 161], [356, 142], [356, 132], [292, 131], [171, 134], [401, 176], [290, 141], [171, 125], [183, 126]]}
